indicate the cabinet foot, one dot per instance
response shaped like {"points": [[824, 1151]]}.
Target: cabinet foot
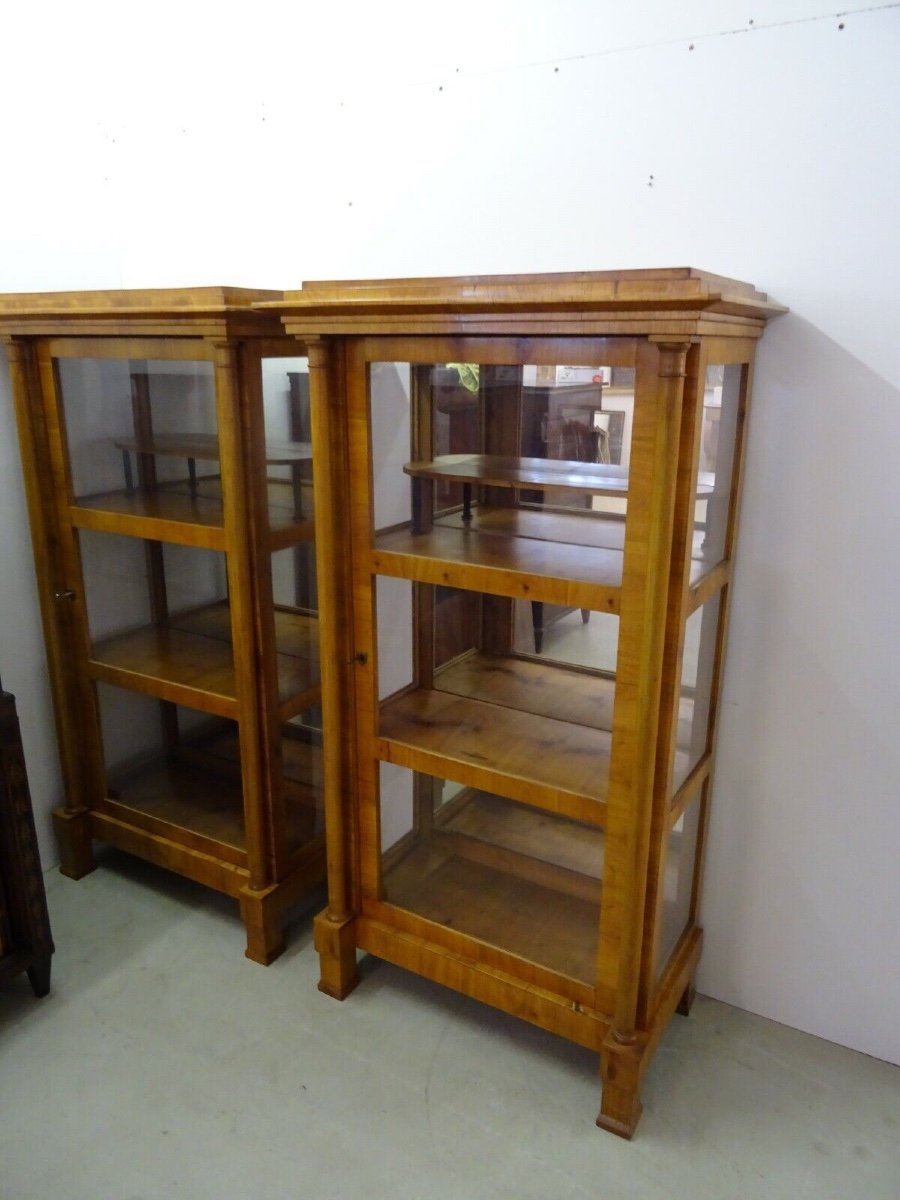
{"points": [[686, 1002], [620, 1110], [73, 839], [620, 1071], [263, 925], [336, 944]]}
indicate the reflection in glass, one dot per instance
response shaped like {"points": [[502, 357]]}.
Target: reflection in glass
{"points": [[573, 415], [131, 582], [288, 438], [135, 425], [575, 636], [389, 391]]}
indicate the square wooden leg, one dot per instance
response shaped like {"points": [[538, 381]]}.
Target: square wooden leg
{"points": [[73, 839], [620, 1070], [620, 1111], [336, 944], [263, 923]]}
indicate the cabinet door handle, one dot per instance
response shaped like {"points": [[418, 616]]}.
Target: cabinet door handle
{"points": [[67, 595]]}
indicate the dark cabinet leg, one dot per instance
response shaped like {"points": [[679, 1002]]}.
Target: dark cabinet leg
{"points": [[39, 975], [687, 999], [73, 837]]}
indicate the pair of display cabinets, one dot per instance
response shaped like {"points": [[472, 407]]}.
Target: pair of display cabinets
{"points": [[526, 495]]}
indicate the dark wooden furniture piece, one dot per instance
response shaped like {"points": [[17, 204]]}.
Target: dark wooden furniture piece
{"points": [[527, 828], [171, 508], [25, 941]]}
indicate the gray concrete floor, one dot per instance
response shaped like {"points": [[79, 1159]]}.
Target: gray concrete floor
{"points": [[164, 1064]]}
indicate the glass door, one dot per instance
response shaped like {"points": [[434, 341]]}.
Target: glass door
{"points": [[488, 533]]}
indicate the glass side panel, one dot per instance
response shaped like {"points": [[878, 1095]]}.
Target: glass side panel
{"points": [[296, 626], [523, 880], [294, 577], [138, 430], [695, 694], [288, 440], [173, 766], [496, 714], [303, 790], [678, 882], [718, 439]]}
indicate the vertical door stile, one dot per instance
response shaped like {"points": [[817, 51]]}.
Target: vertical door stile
{"points": [[645, 581], [688, 463], [332, 572], [252, 441], [46, 536], [237, 500], [67, 593], [361, 493]]}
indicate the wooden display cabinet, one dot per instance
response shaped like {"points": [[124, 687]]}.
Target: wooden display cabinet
{"points": [[170, 497], [522, 818]]}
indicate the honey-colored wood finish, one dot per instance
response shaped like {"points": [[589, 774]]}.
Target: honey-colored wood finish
{"points": [[557, 879], [232, 795]]}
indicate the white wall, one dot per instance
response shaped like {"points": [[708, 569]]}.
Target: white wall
{"points": [[359, 139]]}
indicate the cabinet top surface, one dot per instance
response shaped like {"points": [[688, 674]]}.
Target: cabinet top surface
{"points": [[134, 300], [156, 310], [664, 289]]}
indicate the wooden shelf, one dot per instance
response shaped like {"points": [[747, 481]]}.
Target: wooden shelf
{"points": [[197, 799], [201, 808], [173, 512], [543, 846], [189, 661], [551, 690], [556, 765], [552, 928], [573, 559], [493, 470]]}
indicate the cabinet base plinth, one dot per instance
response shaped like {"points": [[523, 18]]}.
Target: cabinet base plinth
{"points": [[336, 944], [263, 925], [73, 839]]}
